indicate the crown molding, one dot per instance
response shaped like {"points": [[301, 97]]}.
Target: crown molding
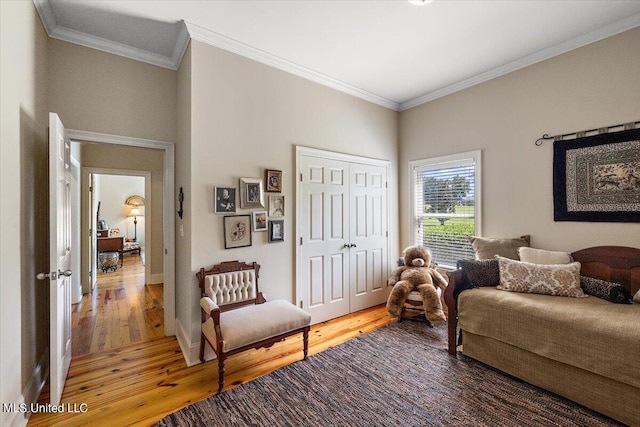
{"points": [[181, 46], [46, 15], [617, 27], [222, 42], [66, 34]]}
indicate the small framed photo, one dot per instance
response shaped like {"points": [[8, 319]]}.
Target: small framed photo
{"points": [[237, 231], [273, 178], [276, 206], [225, 199], [251, 195], [276, 230], [259, 220]]}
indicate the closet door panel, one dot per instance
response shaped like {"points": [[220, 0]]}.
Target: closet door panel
{"points": [[368, 193], [324, 221]]}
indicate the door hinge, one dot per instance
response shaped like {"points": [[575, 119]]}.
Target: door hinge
{"points": [[300, 176], [301, 241], [301, 304], [90, 232], [386, 233], [90, 189], [166, 252]]}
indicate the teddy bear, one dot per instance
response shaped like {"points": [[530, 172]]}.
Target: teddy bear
{"points": [[416, 274]]}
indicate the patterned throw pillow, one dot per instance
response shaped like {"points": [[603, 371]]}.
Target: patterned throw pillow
{"points": [[606, 290], [636, 297], [482, 272], [487, 248], [553, 279]]}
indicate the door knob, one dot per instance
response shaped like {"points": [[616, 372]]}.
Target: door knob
{"points": [[42, 276], [346, 245], [64, 273], [353, 245]]}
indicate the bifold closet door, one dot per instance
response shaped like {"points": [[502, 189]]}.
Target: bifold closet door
{"points": [[343, 233]]}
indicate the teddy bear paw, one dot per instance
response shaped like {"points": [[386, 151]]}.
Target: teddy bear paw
{"points": [[436, 318]]}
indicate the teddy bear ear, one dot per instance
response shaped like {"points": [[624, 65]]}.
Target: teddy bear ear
{"points": [[407, 249]]}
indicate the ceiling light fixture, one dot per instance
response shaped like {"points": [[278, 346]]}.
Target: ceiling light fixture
{"points": [[419, 2]]}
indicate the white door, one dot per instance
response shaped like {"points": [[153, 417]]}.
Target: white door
{"points": [[60, 256], [342, 226], [368, 236], [324, 230]]}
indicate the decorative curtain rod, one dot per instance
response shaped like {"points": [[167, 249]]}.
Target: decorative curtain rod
{"points": [[583, 133]]}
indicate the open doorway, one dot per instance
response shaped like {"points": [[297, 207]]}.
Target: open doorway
{"points": [[120, 157], [119, 205]]}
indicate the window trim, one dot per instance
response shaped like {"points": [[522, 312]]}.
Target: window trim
{"points": [[440, 161]]}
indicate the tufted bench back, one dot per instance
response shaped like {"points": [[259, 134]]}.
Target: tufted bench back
{"points": [[231, 287]]}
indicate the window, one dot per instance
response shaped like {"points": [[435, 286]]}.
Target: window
{"points": [[446, 205]]}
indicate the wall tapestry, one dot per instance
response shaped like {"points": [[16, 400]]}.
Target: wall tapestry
{"points": [[597, 178]]}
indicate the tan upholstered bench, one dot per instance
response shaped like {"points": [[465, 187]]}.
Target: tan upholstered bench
{"points": [[236, 317]]}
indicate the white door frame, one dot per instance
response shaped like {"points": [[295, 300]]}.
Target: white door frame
{"points": [[168, 211], [148, 201], [332, 155]]}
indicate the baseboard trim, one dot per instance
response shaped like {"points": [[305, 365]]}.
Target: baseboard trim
{"points": [[156, 278], [190, 351], [38, 378], [16, 413]]}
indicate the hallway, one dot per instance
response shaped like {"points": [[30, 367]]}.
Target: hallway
{"points": [[121, 310]]}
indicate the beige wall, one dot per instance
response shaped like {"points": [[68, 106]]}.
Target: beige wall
{"points": [[591, 87], [130, 159], [95, 91], [23, 204], [246, 117]]}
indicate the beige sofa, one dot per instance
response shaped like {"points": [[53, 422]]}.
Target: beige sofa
{"points": [[585, 349]]}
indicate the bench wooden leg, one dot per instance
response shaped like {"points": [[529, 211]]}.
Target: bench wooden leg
{"points": [[305, 340], [220, 373]]}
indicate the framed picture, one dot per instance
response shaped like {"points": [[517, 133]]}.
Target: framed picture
{"points": [[225, 199], [273, 178], [259, 221], [237, 231], [251, 195], [597, 178], [276, 206], [276, 230]]}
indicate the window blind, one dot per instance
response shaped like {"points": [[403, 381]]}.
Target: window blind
{"points": [[446, 206]]}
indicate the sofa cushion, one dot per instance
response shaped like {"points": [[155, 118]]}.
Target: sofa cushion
{"points": [[588, 333], [253, 323], [541, 256], [609, 291], [553, 279], [481, 272], [486, 248], [636, 297]]}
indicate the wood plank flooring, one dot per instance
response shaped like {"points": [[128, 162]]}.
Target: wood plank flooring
{"points": [[122, 310], [138, 383]]}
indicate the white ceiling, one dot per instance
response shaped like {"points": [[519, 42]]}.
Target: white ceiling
{"points": [[389, 52]]}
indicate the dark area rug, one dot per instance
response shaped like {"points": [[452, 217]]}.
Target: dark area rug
{"points": [[398, 375]]}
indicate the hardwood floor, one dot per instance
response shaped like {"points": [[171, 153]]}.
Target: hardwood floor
{"points": [[122, 310], [139, 383]]}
